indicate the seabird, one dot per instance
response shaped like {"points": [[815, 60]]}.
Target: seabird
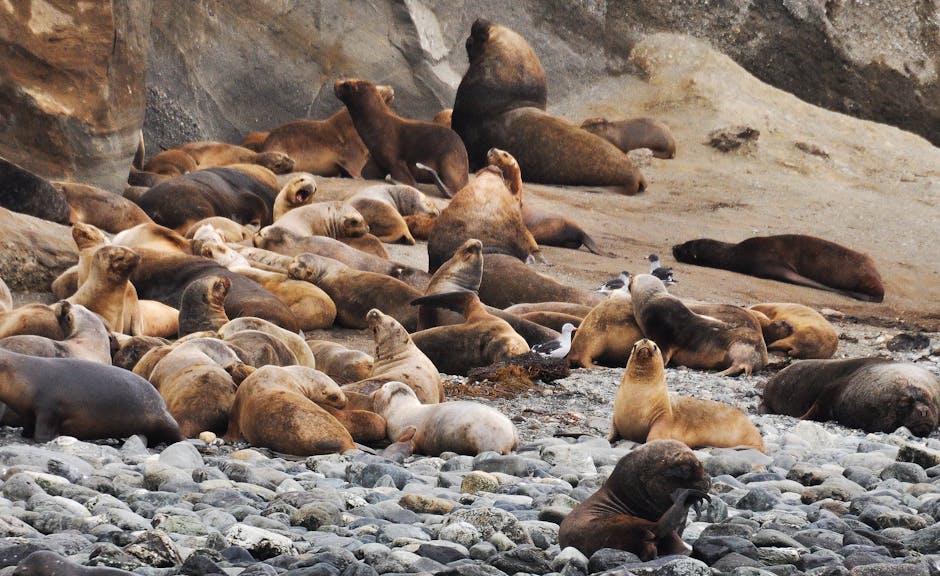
{"points": [[614, 284], [657, 270], [559, 347]]}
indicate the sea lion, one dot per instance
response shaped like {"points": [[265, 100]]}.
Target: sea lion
{"points": [[634, 133], [344, 365], [277, 407], [329, 147], [385, 206], [443, 117], [88, 238], [152, 236], [807, 335], [642, 506], [292, 340], [334, 218], [133, 348], [644, 409], [460, 426], [38, 319], [228, 230], [569, 308], [257, 349], [87, 337], [299, 191], [202, 305], [87, 400], [48, 563], [254, 141], [480, 341], [406, 200], [606, 335], [501, 101], [365, 426], [695, 340], [355, 292], [420, 225], [399, 144], [551, 320], [6, 298], [508, 281], [101, 208], [194, 156], [397, 358], [24, 192], [794, 258], [873, 394], [108, 291]]}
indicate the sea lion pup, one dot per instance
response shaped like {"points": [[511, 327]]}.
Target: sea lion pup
{"points": [[87, 337], [202, 305], [485, 209], [227, 230], [6, 298], [873, 394], [285, 242], [277, 408], [355, 292], [508, 281], [398, 145], [501, 101], [87, 400], [634, 133], [480, 341], [108, 291], [194, 156], [384, 207], [459, 426], [299, 191], [695, 340], [397, 358], [807, 333], [153, 237], [642, 506], [48, 563], [37, 319], [329, 147], [344, 365], [101, 208], [133, 348], [334, 218], [292, 340], [644, 409], [794, 258], [197, 379]]}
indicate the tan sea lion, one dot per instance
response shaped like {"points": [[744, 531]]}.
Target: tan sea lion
{"points": [[873, 394], [460, 426], [83, 399], [695, 340], [420, 225], [108, 291], [808, 333], [552, 320], [606, 335], [398, 145], [334, 218], [228, 230], [355, 292], [644, 409], [642, 506], [88, 238], [87, 338], [202, 306], [508, 281], [365, 426], [199, 155], [570, 308], [254, 141], [277, 408], [794, 258], [344, 365], [292, 340], [37, 319], [443, 117], [299, 191], [101, 208], [385, 206], [152, 237], [634, 133], [48, 563]]}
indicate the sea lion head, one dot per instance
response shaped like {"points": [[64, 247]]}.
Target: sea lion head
{"points": [[645, 362], [386, 92], [63, 313], [118, 261], [353, 224], [476, 41], [353, 89], [693, 251], [392, 392], [217, 290], [300, 190], [390, 336], [276, 162], [311, 267], [463, 271], [645, 284], [916, 408], [88, 236]]}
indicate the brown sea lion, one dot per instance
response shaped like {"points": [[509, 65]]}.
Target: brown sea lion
{"points": [[642, 506], [108, 291], [202, 305], [37, 319], [277, 408], [873, 394], [254, 141], [808, 333], [397, 358], [228, 230], [570, 308], [398, 145], [385, 206], [695, 340], [83, 399], [329, 147], [420, 225], [342, 364], [634, 133], [644, 409], [88, 238], [48, 563], [299, 191], [87, 337], [292, 340], [508, 281], [24, 192], [133, 348], [333, 218], [443, 117], [257, 349], [365, 426], [460, 426], [480, 341], [606, 335], [501, 101], [794, 258], [355, 292], [552, 320], [194, 156], [101, 208]]}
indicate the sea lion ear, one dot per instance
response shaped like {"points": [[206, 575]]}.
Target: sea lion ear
{"points": [[407, 434]]}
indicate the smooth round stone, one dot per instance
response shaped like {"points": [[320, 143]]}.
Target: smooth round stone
{"points": [[735, 462], [482, 551], [890, 569], [710, 548], [391, 532], [357, 569], [372, 552], [198, 564], [543, 534], [820, 558], [810, 474], [758, 499], [568, 456], [21, 486], [731, 562], [874, 461], [422, 504], [836, 488], [321, 569], [926, 541], [905, 472], [312, 516], [461, 532], [882, 517], [371, 474], [440, 551], [526, 559], [510, 464], [570, 556], [182, 455], [670, 566], [477, 481], [774, 538], [771, 555]]}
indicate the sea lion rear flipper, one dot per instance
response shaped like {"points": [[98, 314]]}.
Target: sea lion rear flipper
{"points": [[592, 247], [437, 180], [787, 275]]}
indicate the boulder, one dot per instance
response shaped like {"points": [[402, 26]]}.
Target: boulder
{"points": [[33, 252]]}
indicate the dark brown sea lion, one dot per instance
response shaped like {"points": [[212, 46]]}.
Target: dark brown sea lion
{"points": [[48, 563], [874, 394], [606, 335], [644, 410], [202, 305], [807, 333], [643, 504], [83, 399], [101, 208], [794, 258], [634, 133], [87, 337], [132, 349], [508, 281], [24, 192], [399, 144], [695, 340]]}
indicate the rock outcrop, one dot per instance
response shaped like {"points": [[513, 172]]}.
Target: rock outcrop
{"points": [[33, 252]]}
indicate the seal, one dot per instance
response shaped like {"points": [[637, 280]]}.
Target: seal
{"points": [[292, 340], [606, 335], [87, 337], [634, 133], [100, 208], [344, 365], [508, 281], [397, 358], [569, 308], [299, 191], [873, 394], [806, 334], [277, 408], [696, 340], [87, 400], [334, 218], [461, 426], [202, 306], [37, 319], [501, 101], [399, 144], [355, 292], [644, 409], [194, 156], [48, 563], [552, 320], [108, 291], [443, 117], [329, 147], [794, 258], [88, 238], [420, 225], [643, 504]]}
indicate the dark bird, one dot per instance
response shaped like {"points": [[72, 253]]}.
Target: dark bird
{"points": [[559, 347], [657, 270]]}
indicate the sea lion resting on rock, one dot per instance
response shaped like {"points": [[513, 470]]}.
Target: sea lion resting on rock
{"points": [[334, 218], [101, 208], [793, 258], [87, 337], [24, 192], [460, 426], [194, 156], [643, 504], [634, 133], [874, 394], [805, 333], [644, 410]]}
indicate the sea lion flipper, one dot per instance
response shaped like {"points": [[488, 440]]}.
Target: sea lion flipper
{"points": [[456, 301], [674, 518]]}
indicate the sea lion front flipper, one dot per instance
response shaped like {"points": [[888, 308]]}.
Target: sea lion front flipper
{"points": [[673, 520]]}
